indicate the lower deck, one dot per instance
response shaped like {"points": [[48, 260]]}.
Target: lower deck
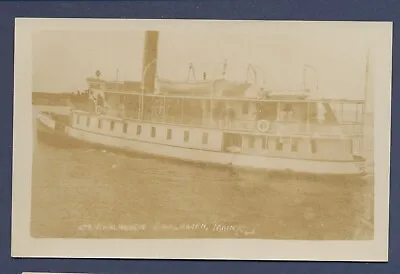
{"points": [[114, 134], [306, 148]]}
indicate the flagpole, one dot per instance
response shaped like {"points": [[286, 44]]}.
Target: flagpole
{"points": [[366, 86], [211, 101]]}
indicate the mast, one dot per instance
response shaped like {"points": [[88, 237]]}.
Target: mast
{"points": [[224, 68], [366, 85], [212, 91], [363, 113]]}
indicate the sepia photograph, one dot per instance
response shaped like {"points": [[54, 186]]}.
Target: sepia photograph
{"points": [[201, 139]]}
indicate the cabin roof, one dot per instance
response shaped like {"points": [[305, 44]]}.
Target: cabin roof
{"points": [[205, 87]]}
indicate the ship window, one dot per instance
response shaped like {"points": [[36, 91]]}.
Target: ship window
{"points": [[122, 98], [205, 138], [153, 132], [186, 136], [294, 145], [264, 142], [245, 107], [138, 129], [88, 121], [313, 146], [125, 127], [251, 141], [279, 145], [112, 124], [99, 124], [77, 119], [169, 134]]}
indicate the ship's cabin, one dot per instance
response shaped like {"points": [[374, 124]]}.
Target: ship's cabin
{"points": [[292, 125]]}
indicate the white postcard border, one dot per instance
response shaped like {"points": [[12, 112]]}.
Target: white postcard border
{"points": [[23, 245]]}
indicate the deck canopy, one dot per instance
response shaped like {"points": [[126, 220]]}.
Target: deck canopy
{"points": [[219, 87]]}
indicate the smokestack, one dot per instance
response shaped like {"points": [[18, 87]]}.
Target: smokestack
{"points": [[149, 69]]}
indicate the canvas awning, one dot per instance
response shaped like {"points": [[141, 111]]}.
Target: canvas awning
{"points": [[220, 87]]}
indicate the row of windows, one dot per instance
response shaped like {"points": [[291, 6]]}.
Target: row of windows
{"points": [[153, 132], [186, 136], [279, 144]]}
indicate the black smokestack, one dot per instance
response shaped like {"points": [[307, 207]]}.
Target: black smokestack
{"points": [[149, 69]]}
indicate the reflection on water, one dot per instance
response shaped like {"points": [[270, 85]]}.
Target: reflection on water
{"points": [[74, 190]]}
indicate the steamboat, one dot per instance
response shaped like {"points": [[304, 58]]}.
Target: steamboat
{"points": [[215, 121]]}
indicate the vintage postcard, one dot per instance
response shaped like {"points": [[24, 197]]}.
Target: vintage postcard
{"points": [[195, 139]]}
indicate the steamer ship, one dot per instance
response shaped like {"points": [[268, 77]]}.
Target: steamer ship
{"points": [[215, 121]]}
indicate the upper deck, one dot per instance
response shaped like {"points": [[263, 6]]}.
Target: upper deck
{"points": [[229, 106]]}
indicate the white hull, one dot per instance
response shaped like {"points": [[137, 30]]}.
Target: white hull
{"points": [[269, 163]]}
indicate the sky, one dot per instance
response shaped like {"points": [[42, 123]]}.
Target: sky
{"points": [[334, 56]]}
